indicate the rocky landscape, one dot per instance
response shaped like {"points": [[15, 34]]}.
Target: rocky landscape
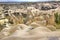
{"points": [[30, 21]]}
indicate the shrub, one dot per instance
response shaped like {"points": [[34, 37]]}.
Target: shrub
{"points": [[56, 17], [59, 19]]}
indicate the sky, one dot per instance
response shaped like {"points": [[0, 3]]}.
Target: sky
{"points": [[25, 0]]}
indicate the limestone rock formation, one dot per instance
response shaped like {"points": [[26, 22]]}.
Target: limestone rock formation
{"points": [[28, 21]]}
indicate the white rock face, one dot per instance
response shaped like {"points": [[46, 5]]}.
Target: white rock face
{"points": [[23, 29], [39, 33], [24, 32]]}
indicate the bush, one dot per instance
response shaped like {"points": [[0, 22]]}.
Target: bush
{"points": [[57, 18]]}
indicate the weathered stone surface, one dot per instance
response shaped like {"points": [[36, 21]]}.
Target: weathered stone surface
{"points": [[29, 21]]}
